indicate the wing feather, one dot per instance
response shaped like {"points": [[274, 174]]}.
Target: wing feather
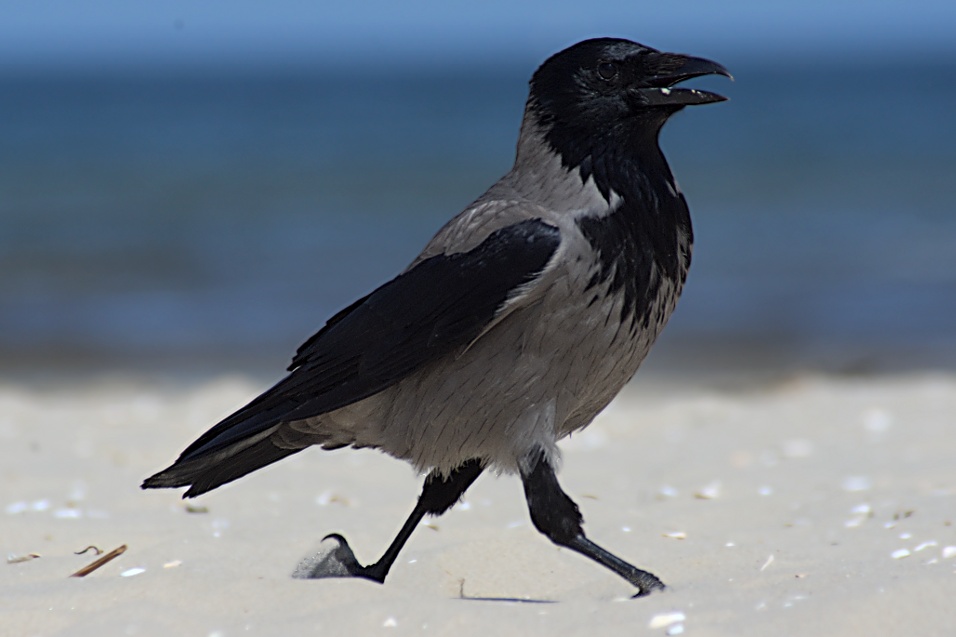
{"points": [[442, 303]]}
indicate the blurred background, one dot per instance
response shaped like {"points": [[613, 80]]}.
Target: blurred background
{"points": [[193, 188]]}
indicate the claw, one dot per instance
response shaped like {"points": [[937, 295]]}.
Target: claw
{"points": [[336, 560], [647, 583]]}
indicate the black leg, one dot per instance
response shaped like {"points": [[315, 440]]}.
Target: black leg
{"points": [[557, 516], [438, 495]]}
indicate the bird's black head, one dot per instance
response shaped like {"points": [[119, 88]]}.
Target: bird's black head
{"points": [[612, 87]]}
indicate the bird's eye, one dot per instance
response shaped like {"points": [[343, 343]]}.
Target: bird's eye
{"points": [[607, 70]]}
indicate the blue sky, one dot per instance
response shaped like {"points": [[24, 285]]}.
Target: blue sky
{"points": [[62, 32]]}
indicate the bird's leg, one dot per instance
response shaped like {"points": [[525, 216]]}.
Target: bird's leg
{"points": [[438, 495], [557, 516]]}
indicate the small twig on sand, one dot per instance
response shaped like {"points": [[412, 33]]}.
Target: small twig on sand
{"points": [[96, 550], [89, 568]]}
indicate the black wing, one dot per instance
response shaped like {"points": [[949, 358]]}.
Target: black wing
{"points": [[441, 304]]}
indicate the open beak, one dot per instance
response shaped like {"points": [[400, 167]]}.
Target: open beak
{"points": [[667, 69]]}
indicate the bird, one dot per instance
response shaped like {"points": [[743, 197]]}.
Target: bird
{"points": [[517, 324]]}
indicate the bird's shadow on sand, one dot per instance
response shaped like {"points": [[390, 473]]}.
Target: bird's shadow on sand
{"points": [[507, 600]]}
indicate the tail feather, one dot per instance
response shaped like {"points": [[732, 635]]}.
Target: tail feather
{"points": [[205, 473]]}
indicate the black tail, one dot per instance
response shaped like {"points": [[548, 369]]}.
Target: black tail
{"points": [[237, 445], [205, 473]]}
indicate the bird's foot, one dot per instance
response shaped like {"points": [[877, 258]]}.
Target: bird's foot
{"points": [[646, 582], [336, 560]]}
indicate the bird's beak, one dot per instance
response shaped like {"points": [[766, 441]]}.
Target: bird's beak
{"points": [[667, 69]]}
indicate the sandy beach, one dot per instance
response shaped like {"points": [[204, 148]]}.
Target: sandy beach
{"points": [[813, 505]]}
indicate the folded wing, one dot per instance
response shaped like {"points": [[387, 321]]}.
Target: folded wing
{"points": [[440, 305]]}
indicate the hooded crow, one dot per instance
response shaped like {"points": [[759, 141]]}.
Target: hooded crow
{"points": [[519, 321]]}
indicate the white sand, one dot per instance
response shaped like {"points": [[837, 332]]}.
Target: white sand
{"points": [[792, 501]]}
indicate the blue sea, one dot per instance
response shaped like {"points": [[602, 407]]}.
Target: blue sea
{"points": [[209, 221]]}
